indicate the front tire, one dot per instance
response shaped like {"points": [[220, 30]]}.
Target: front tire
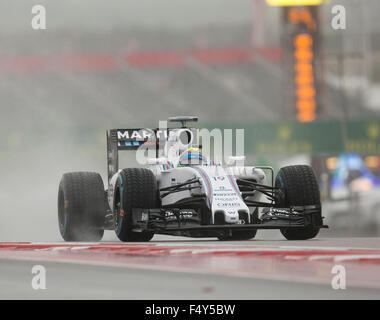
{"points": [[135, 188], [298, 186], [81, 206]]}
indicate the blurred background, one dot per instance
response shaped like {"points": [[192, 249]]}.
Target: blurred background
{"points": [[303, 91]]}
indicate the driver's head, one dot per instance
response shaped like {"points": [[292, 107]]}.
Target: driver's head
{"points": [[191, 157]]}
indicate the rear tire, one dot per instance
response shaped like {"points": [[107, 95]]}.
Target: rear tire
{"points": [[135, 188], [81, 206], [298, 187]]}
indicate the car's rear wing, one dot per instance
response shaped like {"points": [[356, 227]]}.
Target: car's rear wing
{"points": [[132, 139]]}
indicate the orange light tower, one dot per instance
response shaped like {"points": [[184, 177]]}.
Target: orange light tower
{"points": [[301, 56]]}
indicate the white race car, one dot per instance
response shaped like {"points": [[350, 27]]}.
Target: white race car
{"points": [[184, 193]]}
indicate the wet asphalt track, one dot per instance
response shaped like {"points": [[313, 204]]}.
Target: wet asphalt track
{"points": [[81, 281], [67, 281]]}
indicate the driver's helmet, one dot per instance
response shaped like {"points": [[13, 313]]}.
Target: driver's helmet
{"points": [[191, 157]]}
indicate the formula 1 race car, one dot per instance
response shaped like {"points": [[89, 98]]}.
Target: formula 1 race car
{"points": [[181, 192]]}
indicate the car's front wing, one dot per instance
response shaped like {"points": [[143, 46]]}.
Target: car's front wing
{"points": [[177, 221]]}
